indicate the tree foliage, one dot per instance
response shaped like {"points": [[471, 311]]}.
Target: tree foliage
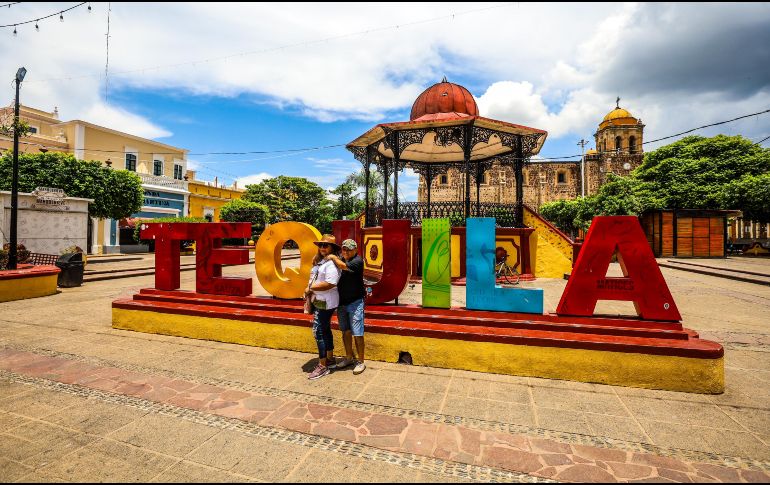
{"points": [[722, 172], [116, 193], [348, 204], [239, 210], [293, 199]]}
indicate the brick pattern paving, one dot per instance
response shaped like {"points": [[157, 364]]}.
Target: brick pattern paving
{"points": [[536, 457]]}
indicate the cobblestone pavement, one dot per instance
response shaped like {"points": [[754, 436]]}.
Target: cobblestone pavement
{"points": [[81, 401]]}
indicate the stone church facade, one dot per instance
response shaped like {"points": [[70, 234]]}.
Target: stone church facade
{"points": [[618, 150]]}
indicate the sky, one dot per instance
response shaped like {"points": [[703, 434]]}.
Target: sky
{"points": [[312, 77]]}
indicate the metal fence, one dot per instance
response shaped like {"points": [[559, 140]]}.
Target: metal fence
{"points": [[506, 215]]}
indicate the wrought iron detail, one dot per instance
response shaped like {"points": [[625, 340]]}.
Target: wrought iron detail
{"points": [[505, 215], [436, 169], [447, 135], [483, 135], [359, 153], [530, 142]]}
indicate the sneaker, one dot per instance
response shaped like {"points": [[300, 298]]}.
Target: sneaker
{"points": [[359, 368], [344, 363], [318, 372], [331, 364]]}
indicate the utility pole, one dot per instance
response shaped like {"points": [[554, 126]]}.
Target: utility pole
{"points": [[582, 144]]}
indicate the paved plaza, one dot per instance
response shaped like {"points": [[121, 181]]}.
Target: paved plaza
{"points": [[80, 401]]}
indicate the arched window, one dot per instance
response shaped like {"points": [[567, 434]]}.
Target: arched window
{"points": [[632, 144], [618, 144], [131, 162]]}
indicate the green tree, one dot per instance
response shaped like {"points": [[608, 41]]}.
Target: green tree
{"points": [[293, 199], [376, 191], [752, 194], [348, 204], [721, 172], [116, 193], [239, 210]]}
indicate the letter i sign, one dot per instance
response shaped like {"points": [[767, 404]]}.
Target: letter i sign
{"points": [[642, 281]]}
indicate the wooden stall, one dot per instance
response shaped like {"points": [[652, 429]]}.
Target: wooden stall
{"points": [[687, 233]]}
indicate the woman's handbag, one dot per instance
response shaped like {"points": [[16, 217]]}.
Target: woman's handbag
{"points": [[308, 305]]}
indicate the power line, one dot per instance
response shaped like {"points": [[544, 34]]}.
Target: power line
{"points": [[763, 140], [295, 151], [60, 13], [9, 4], [450, 16]]}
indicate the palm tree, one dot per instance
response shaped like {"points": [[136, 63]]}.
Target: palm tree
{"points": [[376, 193]]}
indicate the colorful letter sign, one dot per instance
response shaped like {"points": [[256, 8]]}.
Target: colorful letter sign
{"points": [[642, 282], [209, 258], [436, 285], [395, 261], [481, 292], [289, 282]]}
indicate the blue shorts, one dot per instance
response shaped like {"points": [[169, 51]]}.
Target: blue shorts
{"points": [[351, 317]]}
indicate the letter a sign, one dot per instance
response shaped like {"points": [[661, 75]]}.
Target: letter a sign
{"points": [[642, 281]]}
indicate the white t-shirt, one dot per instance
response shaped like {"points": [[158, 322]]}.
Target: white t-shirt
{"points": [[328, 272]]}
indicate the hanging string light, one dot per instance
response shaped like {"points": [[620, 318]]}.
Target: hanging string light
{"points": [[37, 20]]}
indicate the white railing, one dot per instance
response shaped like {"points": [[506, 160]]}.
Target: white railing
{"points": [[159, 181]]}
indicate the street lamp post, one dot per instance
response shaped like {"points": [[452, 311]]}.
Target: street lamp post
{"points": [[12, 254], [582, 143]]}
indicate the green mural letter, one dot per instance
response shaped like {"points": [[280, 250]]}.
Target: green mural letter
{"points": [[436, 287]]}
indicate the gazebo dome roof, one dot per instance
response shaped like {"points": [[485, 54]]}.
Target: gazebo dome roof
{"points": [[444, 97]]}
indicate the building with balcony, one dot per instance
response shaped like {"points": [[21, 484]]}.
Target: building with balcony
{"points": [[161, 168]]}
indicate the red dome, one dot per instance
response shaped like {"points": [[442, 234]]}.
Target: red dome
{"points": [[444, 97]]}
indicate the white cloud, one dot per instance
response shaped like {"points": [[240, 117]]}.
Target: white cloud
{"points": [[253, 179], [555, 67], [122, 120]]}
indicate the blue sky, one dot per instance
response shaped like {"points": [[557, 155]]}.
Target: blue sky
{"points": [[238, 77]]}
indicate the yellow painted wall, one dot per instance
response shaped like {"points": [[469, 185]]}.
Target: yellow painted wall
{"points": [[203, 195], [616, 368], [98, 139], [551, 252]]}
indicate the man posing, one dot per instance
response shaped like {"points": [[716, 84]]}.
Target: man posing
{"points": [[350, 312]]}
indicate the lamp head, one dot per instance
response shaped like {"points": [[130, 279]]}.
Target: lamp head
{"points": [[20, 74]]}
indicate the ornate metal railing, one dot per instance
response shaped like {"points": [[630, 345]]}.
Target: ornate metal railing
{"points": [[159, 181], [506, 215]]}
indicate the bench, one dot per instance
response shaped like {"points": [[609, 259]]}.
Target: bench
{"points": [[40, 259]]}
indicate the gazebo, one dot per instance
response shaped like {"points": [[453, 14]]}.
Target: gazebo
{"points": [[445, 131]]}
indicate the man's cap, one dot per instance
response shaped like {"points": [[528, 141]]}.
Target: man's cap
{"points": [[349, 244], [328, 238]]}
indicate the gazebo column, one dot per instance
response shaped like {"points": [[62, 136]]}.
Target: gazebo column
{"points": [[478, 190], [396, 169], [385, 179], [467, 159], [367, 220], [519, 168], [428, 183]]}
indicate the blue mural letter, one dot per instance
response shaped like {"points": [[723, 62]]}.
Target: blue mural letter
{"points": [[482, 292]]}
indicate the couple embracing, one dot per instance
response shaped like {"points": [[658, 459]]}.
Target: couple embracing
{"points": [[337, 284]]}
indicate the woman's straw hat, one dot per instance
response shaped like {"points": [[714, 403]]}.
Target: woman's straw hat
{"points": [[328, 238]]}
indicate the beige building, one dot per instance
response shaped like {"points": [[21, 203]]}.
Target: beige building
{"points": [[161, 167], [619, 150]]}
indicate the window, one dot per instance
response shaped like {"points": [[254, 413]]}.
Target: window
{"points": [[618, 144], [32, 129], [157, 168], [561, 177], [131, 162], [632, 144], [443, 180], [484, 180], [178, 172], [502, 177]]}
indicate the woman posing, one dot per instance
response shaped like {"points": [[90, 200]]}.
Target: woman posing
{"points": [[323, 294]]}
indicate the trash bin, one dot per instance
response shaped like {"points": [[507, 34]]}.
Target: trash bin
{"points": [[71, 266]]}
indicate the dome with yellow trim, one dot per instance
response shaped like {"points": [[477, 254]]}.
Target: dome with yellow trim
{"points": [[618, 116]]}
